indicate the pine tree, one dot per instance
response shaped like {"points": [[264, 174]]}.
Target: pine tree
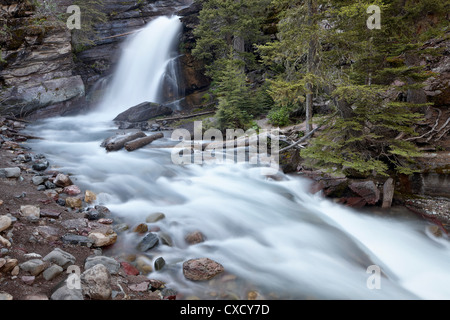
{"points": [[366, 137]]}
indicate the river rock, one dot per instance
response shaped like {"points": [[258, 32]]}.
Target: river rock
{"points": [[144, 264], [72, 190], [111, 264], [52, 272], [148, 242], [9, 265], [38, 180], [5, 296], [101, 239], [194, 237], [49, 185], [159, 263], [63, 292], [74, 202], [30, 211], [62, 180], [89, 197], [4, 242], [154, 217], [50, 213], [129, 269], [48, 232], [77, 240], [93, 214], [144, 112], [12, 172], [367, 190], [141, 228], [5, 222], [40, 164], [29, 280], [201, 269], [34, 266], [96, 283], [52, 194], [60, 258]]}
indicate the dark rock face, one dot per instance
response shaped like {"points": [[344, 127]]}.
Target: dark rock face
{"points": [[144, 112]]}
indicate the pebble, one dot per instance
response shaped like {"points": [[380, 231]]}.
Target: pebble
{"points": [[141, 228], [89, 197], [40, 164], [49, 185], [201, 269], [30, 211], [34, 266], [38, 180], [121, 227], [144, 265], [62, 180], [72, 190], [60, 258], [139, 287], [10, 265], [166, 239], [5, 242], [5, 296], [52, 272], [154, 217], [74, 202], [65, 293], [93, 214], [111, 264], [159, 263], [129, 269], [101, 240], [49, 213], [32, 256], [148, 242], [12, 172], [29, 280], [195, 237], [5, 222]]}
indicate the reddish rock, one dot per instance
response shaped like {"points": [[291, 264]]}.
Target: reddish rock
{"points": [[367, 190], [194, 237], [49, 213], [355, 202], [141, 228], [72, 190], [29, 280], [139, 287], [201, 269], [129, 269]]}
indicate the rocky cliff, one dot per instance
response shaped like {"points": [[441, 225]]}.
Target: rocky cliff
{"points": [[42, 75]]}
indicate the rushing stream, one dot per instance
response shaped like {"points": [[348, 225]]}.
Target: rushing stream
{"points": [[273, 235]]}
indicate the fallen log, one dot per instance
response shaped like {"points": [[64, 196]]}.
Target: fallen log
{"points": [[186, 116], [142, 142], [116, 144]]}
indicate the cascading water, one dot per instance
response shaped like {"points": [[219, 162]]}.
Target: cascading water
{"points": [[147, 59], [274, 236]]}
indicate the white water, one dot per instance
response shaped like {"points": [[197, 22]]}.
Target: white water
{"points": [[273, 235]]}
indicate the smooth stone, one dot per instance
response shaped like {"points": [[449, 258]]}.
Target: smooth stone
{"points": [[5, 296], [141, 228], [102, 240], [12, 172], [129, 269], [111, 264], [29, 280], [159, 263], [40, 165], [63, 292], [201, 269], [38, 180], [60, 258], [62, 180], [49, 185], [148, 242], [154, 217], [195, 237], [30, 211], [74, 202], [34, 266], [89, 196], [52, 272], [72, 190], [5, 222]]}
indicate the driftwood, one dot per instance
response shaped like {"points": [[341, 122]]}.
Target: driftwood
{"points": [[142, 142], [117, 143]]}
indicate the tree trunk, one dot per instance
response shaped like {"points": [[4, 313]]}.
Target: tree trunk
{"points": [[117, 143], [142, 142]]}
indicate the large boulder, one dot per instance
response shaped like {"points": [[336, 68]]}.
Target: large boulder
{"points": [[144, 112]]}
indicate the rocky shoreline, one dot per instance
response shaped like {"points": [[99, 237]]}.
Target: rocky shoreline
{"points": [[54, 238]]}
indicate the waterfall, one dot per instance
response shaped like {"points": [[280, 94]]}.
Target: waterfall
{"points": [[147, 59]]}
